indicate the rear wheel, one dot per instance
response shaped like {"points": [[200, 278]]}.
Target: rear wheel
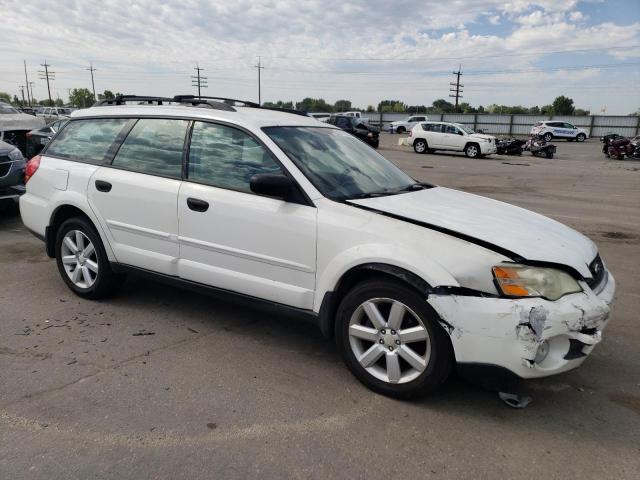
{"points": [[472, 150], [549, 154], [401, 129], [391, 340], [548, 137], [420, 145], [82, 260]]}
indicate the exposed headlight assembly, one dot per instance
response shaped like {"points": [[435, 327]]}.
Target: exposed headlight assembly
{"points": [[524, 281]]}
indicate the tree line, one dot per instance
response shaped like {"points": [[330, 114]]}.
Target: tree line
{"points": [[562, 105]]}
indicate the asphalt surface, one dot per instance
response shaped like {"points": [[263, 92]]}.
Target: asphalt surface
{"points": [[164, 383]]}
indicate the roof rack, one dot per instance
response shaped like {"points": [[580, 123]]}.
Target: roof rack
{"points": [[218, 103]]}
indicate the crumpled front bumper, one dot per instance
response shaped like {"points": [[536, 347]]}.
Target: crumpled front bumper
{"points": [[509, 332]]}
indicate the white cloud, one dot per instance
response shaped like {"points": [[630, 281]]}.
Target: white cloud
{"points": [[147, 47]]}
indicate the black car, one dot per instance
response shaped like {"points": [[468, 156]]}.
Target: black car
{"points": [[38, 138], [12, 165], [367, 133]]}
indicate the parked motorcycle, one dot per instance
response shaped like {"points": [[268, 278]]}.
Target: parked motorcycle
{"points": [[606, 142], [510, 146], [621, 147], [539, 147]]}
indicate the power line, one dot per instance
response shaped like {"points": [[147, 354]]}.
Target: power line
{"points": [[458, 86], [197, 80], [47, 75], [259, 67], [93, 87]]}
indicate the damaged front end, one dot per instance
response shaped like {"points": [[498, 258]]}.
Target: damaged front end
{"points": [[530, 337]]}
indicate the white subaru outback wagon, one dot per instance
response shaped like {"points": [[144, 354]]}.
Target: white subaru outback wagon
{"points": [[411, 279]]}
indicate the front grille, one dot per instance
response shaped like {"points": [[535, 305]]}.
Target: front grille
{"points": [[5, 167], [596, 267]]}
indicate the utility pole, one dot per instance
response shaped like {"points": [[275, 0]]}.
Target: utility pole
{"points": [[26, 80], [458, 87], [30, 87], [198, 80], [259, 67], [22, 92], [47, 75], [93, 87]]}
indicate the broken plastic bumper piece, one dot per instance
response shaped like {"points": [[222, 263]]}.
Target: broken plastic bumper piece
{"points": [[531, 337]]}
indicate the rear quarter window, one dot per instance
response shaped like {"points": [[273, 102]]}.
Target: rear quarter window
{"points": [[86, 140]]}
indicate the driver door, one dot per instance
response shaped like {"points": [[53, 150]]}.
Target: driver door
{"points": [[234, 239]]}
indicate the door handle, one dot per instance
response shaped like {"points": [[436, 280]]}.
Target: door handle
{"points": [[197, 205], [103, 186]]}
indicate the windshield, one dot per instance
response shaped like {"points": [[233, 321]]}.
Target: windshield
{"points": [[338, 164], [7, 109], [466, 130]]}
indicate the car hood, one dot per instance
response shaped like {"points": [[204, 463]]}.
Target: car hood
{"points": [[19, 121], [481, 135], [529, 235]]}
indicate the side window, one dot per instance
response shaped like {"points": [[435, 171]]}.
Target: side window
{"points": [[412, 119], [86, 140], [568, 125], [343, 122], [227, 157], [154, 146], [451, 129], [427, 127]]}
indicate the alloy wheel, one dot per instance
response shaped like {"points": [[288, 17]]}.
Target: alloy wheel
{"points": [[389, 340], [79, 258]]}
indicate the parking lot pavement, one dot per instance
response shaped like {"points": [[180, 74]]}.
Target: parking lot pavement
{"points": [[164, 383]]}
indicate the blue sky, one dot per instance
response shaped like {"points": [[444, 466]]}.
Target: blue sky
{"points": [[511, 52]]}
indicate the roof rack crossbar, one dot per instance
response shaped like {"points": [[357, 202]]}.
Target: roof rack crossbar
{"points": [[182, 98], [218, 103]]}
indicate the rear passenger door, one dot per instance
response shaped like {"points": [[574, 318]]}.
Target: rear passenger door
{"points": [[234, 239], [135, 197]]}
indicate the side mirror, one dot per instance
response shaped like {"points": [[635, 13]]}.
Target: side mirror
{"points": [[272, 185], [460, 133]]}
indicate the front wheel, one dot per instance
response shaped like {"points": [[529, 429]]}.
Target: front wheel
{"points": [[581, 137], [420, 145], [472, 150], [82, 260], [391, 340]]}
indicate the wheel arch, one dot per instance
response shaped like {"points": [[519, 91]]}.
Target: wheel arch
{"points": [[59, 215], [356, 274]]}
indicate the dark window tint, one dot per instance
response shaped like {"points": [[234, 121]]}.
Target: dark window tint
{"points": [[154, 146], [226, 157], [451, 129], [86, 140], [343, 122], [568, 125], [427, 127]]}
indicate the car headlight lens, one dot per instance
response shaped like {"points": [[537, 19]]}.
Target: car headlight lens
{"points": [[525, 281]]}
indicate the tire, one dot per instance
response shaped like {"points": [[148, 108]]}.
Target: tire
{"points": [[95, 279], [472, 150], [548, 137], [581, 137], [401, 129], [388, 371], [548, 154], [420, 146], [620, 157]]}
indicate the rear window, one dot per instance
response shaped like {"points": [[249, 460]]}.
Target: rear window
{"points": [[86, 140]]}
